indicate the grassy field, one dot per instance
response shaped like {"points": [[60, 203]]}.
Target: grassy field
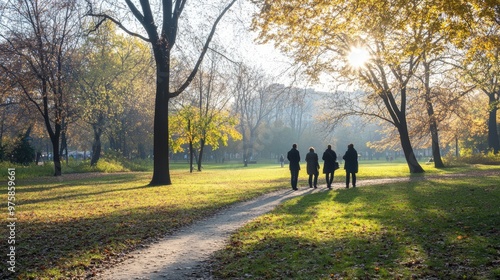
{"points": [[68, 226], [433, 229]]}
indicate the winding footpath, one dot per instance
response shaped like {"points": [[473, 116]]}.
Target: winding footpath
{"points": [[183, 255]]}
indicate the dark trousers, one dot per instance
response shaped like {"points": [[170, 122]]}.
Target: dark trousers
{"points": [[315, 175], [347, 177], [329, 179], [295, 178]]}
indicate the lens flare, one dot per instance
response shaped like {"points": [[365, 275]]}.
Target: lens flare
{"points": [[358, 57]]}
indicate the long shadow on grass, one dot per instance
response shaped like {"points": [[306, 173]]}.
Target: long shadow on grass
{"points": [[302, 258], [64, 250], [431, 229], [31, 185], [444, 230], [56, 246], [70, 194]]}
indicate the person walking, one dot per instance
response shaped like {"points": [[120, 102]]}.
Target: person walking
{"points": [[312, 167], [329, 165], [282, 160], [350, 165], [293, 157]]}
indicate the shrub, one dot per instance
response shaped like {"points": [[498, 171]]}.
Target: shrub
{"points": [[23, 153], [3, 152], [470, 158], [109, 166]]}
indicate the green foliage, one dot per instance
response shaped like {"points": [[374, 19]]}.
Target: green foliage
{"points": [[188, 125], [3, 152], [22, 153], [105, 165], [468, 157], [114, 97], [114, 161]]}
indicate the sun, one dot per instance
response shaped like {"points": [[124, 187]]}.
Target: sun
{"points": [[357, 57]]}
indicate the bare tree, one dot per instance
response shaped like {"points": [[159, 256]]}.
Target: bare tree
{"points": [[161, 32], [40, 35], [255, 101]]}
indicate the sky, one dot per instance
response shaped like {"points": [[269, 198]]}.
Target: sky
{"points": [[234, 33]]}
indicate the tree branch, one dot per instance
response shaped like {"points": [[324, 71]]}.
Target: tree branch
{"points": [[104, 17], [203, 52]]}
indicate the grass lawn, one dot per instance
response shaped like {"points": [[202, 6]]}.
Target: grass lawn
{"points": [[433, 229], [65, 227], [68, 226]]}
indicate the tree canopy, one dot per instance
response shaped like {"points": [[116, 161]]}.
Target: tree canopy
{"points": [[396, 39]]}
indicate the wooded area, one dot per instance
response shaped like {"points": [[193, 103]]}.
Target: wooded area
{"points": [[152, 79]]}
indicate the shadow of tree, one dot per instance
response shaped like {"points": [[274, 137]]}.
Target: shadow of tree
{"points": [[65, 246], [436, 229]]}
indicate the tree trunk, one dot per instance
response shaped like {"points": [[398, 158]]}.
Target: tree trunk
{"points": [[245, 147], [411, 160], [125, 151], [436, 153], [493, 138], [141, 150], [161, 174], [63, 150], [112, 141], [57, 157], [54, 134], [191, 156], [96, 146], [200, 156], [433, 125]]}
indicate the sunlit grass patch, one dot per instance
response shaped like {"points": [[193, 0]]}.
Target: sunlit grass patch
{"points": [[66, 227], [444, 229]]}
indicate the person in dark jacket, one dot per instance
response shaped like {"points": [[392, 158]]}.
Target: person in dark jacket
{"points": [[329, 158], [350, 165], [312, 167], [293, 157]]}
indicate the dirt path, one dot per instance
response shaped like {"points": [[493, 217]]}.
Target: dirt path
{"points": [[180, 255], [183, 254]]}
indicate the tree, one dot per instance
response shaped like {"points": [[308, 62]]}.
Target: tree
{"points": [[9, 108], [198, 129], [213, 123], [23, 152], [162, 42], [111, 65], [482, 66], [332, 37], [255, 100], [39, 35]]}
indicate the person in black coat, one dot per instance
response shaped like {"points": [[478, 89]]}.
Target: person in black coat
{"points": [[329, 158], [312, 167], [293, 157], [350, 165]]}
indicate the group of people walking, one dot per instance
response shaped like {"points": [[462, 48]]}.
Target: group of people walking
{"points": [[330, 165]]}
